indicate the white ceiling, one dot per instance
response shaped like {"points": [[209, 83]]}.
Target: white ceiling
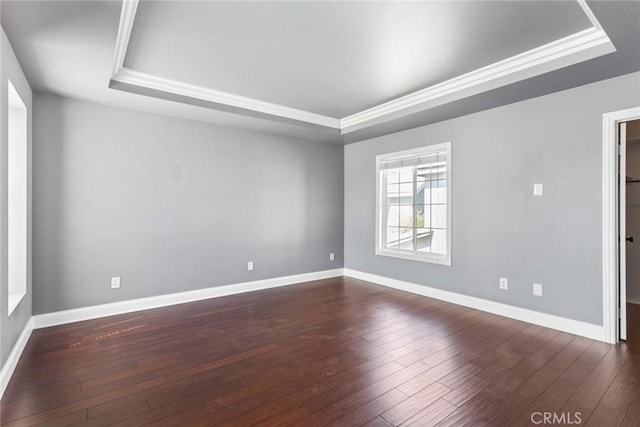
{"points": [[336, 58], [297, 68]]}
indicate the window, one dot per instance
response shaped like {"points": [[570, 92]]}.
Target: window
{"points": [[17, 198], [413, 204]]}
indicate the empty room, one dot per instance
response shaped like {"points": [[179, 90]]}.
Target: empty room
{"points": [[309, 213]]}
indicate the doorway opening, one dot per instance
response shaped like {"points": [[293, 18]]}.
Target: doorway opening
{"points": [[614, 298], [629, 230]]}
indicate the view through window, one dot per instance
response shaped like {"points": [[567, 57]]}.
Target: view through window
{"points": [[413, 204]]}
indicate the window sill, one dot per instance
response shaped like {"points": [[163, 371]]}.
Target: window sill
{"points": [[441, 260], [14, 300]]}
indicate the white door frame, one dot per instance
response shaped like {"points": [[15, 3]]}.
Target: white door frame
{"points": [[610, 295], [622, 231]]}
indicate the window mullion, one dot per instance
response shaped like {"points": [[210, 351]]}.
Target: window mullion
{"points": [[415, 209], [383, 209]]}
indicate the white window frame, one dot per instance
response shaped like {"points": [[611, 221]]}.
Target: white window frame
{"points": [[442, 259], [18, 136]]}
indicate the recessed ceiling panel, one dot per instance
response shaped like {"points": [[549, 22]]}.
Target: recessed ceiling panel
{"points": [[336, 58]]}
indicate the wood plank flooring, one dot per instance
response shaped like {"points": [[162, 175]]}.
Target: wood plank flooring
{"points": [[337, 352]]}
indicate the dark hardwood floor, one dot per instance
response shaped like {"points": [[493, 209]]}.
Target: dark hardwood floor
{"points": [[334, 352]]}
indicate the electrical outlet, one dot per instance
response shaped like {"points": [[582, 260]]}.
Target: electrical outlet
{"points": [[250, 266], [537, 289], [504, 283], [332, 257], [115, 282], [538, 189]]}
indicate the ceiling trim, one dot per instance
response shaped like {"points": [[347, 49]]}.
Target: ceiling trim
{"points": [[127, 15], [575, 48], [131, 77], [128, 77], [567, 51]]}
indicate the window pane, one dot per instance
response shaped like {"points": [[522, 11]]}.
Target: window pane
{"points": [[438, 171], [392, 237], [439, 191], [406, 239], [422, 216], [393, 193], [406, 216], [439, 241], [423, 173], [406, 174], [423, 193], [424, 239], [393, 176], [393, 216], [406, 193], [439, 216]]}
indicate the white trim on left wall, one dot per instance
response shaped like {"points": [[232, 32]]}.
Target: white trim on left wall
{"points": [[12, 361]]}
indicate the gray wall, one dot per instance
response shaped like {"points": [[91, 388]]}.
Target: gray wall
{"points": [[171, 205], [12, 326], [498, 228]]}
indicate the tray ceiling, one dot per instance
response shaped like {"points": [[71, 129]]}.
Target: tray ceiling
{"points": [[326, 71], [337, 58], [344, 66]]}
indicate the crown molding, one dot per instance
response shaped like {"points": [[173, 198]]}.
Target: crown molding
{"points": [[567, 51], [151, 84], [570, 50], [223, 100], [127, 15], [587, 11]]}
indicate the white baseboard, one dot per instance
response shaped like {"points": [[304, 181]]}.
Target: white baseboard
{"points": [[12, 361], [633, 301], [121, 307], [584, 329], [575, 327]]}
